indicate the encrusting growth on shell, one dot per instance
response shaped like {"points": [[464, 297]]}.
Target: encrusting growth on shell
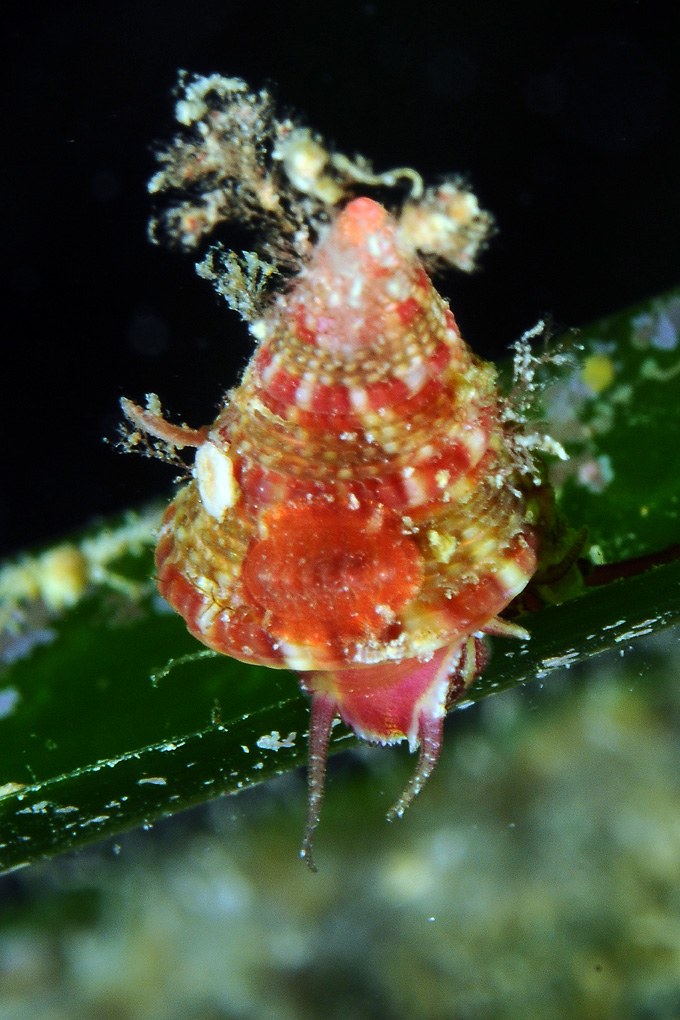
{"points": [[237, 159], [358, 509]]}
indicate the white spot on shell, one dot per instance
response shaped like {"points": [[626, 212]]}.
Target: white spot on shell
{"points": [[443, 546], [358, 399], [356, 291], [305, 392], [214, 472], [415, 377], [259, 329]]}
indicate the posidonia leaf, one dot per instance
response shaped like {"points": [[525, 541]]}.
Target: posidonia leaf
{"points": [[91, 744], [619, 419]]}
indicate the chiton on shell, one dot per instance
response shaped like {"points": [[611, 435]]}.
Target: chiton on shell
{"points": [[356, 511]]}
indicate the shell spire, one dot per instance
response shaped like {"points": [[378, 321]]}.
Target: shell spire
{"points": [[356, 511]]}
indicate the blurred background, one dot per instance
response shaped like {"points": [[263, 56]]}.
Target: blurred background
{"points": [[539, 875]]}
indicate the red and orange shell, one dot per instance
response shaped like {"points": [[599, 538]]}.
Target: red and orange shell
{"points": [[355, 512]]}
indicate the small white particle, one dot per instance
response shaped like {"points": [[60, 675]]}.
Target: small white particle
{"points": [[639, 630], [554, 662], [38, 808], [273, 742]]}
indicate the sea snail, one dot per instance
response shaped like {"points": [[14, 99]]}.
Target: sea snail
{"points": [[357, 511]]}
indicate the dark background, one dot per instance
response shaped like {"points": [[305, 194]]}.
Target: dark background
{"points": [[564, 116]]}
